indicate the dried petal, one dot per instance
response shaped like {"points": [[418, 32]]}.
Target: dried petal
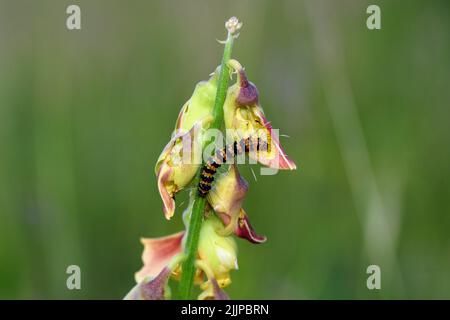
{"points": [[248, 93], [227, 194]]}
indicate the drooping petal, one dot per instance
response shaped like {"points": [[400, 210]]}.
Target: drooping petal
{"points": [[167, 189], [177, 165], [152, 288], [248, 93], [157, 254], [245, 230], [227, 194]]}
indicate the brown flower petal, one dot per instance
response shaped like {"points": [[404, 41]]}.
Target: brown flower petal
{"points": [[245, 230], [248, 93], [227, 195]]}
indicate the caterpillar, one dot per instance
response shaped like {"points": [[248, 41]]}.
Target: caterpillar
{"points": [[220, 156]]}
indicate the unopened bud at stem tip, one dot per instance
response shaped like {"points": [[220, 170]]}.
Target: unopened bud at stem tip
{"points": [[233, 25]]}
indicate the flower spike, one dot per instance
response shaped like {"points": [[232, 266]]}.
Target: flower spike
{"points": [[205, 253]]}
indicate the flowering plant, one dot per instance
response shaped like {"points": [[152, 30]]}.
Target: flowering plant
{"points": [[206, 252]]}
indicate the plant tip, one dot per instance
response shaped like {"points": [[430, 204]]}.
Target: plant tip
{"points": [[233, 25]]}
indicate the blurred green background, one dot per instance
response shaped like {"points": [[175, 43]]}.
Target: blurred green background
{"points": [[84, 115]]}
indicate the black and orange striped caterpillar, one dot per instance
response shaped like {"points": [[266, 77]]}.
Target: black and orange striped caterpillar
{"points": [[220, 157]]}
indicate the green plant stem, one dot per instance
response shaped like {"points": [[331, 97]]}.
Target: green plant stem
{"points": [[195, 224]]}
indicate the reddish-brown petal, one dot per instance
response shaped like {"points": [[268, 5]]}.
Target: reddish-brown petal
{"points": [[248, 93], [278, 159], [157, 254], [245, 230]]}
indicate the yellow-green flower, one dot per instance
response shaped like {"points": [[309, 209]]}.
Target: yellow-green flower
{"points": [[217, 256], [218, 252], [181, 158], [177, 166], [226, 198], [227, 194], [243, 114]]}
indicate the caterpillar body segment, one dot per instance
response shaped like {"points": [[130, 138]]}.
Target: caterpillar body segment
{"points": [[221, 156]]}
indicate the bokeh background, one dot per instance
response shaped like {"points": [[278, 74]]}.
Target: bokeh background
{"points": [[84, 115]]}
